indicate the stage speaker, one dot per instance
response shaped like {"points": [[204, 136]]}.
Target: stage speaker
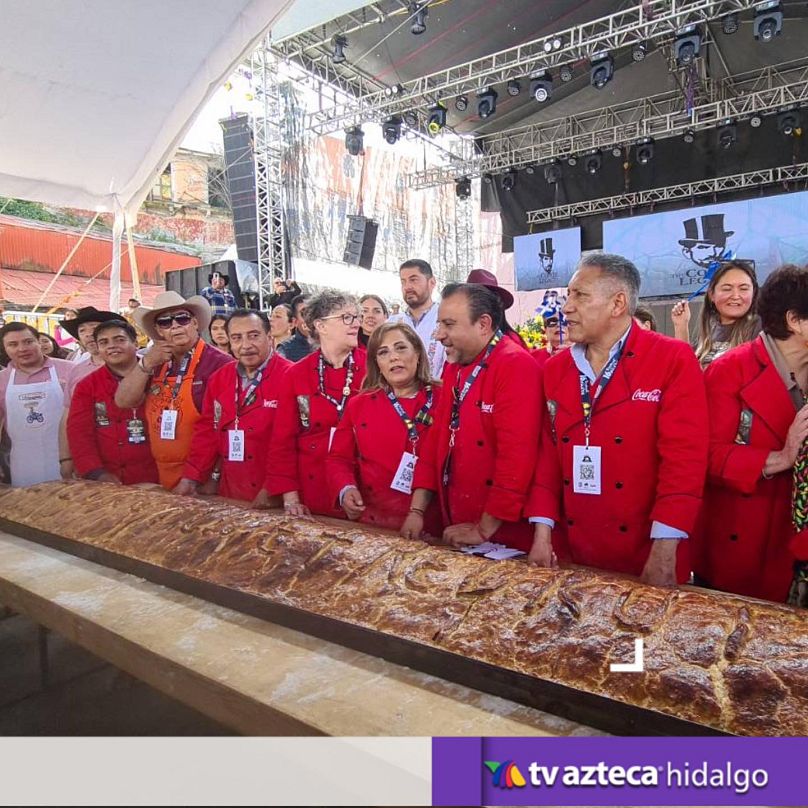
{"points": [[361, 242], [237, 137]]}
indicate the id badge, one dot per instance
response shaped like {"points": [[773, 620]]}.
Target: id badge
{"points": [[235, 445], [136, 430], [168, 424], [404, 473], [586, 469]]}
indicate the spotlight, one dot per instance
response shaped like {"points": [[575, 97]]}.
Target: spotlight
{"points": [[601, 71], [552, 172], [645, 151], [396, 89], [557, 43], [617, 151], [487, 103], [689, 136], [727, 135], [593, 162], [530, 170], [340, 43], [755, 121], [488, 179], [463, 188], [509, 179], [514, 87], [541, 87], [729, 25], [411, 119], [687, 46], [418, 12], [639, 51], [354, 140], [565, 73], [572, 160], [437, 119], [788, 123], [461, 103], [768, 21], [391, 129]]}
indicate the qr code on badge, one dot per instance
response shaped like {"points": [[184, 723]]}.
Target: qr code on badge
{"points": [[587, 472], [406, 474]]}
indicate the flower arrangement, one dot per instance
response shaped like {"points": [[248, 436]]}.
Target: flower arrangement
{"points": [[532, 332]]}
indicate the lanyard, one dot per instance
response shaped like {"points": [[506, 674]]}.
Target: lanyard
{"points": [[422, 417], [459, 396], [346, 391], [589, 397], [186, 361], [252, 390]]}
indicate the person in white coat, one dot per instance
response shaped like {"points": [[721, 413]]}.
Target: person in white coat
{"points": [[35, 393]]}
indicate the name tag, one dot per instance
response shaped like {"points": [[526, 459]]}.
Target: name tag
{"points": [[168, 424], [586, 469], [136, 430], [235, 443], [404, 473]]}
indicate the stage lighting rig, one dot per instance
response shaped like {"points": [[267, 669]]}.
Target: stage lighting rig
{"points": [[689, 136], [639, 51], [437, 119], [514, 87], [601, 70], [789, 124], [645, 151], [541, 86], [487, 103], [572, 160], [768, 21], [354, 140], [463, 188], [730, 23], [727, 135], [593, 162], [461, 103], [509, 179], [687, 45], [553, 172], [391, 129], [411, 119], [418, 12], [755, 121], [339, 42]]}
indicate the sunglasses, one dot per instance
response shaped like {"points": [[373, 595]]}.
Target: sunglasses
{"points": [[180, 318]]}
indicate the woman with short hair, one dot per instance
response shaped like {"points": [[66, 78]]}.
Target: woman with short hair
{"points": [[314, 394], [375, 448], [759, 422]]}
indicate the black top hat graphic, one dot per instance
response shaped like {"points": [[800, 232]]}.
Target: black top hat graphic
{"points": [[546, 247], [712, 231]]}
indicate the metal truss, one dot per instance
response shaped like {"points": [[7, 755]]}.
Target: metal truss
{"points": [[649, 20], [661, 116], [464, 239], [687, 191], [269, 197]]}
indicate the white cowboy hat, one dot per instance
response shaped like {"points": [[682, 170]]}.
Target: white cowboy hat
{"points": [[197, 305]]}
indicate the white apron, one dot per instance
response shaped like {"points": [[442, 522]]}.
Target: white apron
{"points": [[33, 415]]}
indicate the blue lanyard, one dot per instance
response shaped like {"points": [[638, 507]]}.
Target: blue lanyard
{"points": [[459, 396], [422, 416], [252, 389], [183, 369], [590, 396]]}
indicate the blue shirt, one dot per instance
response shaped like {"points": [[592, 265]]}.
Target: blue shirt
{"points": [[221, 301]]}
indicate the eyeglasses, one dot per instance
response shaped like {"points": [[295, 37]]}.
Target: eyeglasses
{"points": [[347, 318], [180, 318]]}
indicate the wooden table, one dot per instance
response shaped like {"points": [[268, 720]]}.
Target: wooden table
{"points": [[253, 676]]}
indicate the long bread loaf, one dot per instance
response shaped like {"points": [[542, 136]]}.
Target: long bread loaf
{"points": [[727, 662]]}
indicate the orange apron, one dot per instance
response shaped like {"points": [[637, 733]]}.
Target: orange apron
{"points": [[170, 455]]}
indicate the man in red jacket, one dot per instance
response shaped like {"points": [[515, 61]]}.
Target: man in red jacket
{"points": [[624, 451], [479, 455], [238, 413], [109, 443]]}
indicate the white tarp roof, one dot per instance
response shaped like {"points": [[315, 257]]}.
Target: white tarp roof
{"points": [[96, 95]]}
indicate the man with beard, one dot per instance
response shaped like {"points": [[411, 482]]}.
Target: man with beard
{"points": [[171, 378], [108, 443], [241, 401], [417, 285]]}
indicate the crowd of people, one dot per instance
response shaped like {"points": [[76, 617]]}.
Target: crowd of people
{"points": [[612, 446]]}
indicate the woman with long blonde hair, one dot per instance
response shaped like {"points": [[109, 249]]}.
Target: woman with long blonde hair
{"points": [[375, 448]]}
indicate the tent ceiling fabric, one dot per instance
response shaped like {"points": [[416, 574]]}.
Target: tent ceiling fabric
{"points": [[96, 96]]}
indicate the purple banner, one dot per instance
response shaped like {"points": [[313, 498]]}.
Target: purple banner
{"points": [[619, 771]]}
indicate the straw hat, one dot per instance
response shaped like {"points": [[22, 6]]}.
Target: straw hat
{"points": [[165, 301]]}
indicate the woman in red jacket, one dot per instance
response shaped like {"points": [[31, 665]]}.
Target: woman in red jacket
{"points": [[371, 462], [759, 421], [313, 397]]}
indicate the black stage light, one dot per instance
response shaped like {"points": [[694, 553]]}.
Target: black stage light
{"points": [[639, 51], [541, 87], [418, 12], [645, 151], [727, 135], [689, 136], [593, 161], [411, 119], [463, 188], [788, 123], [514, 87], [768, 21], [488, 179], [437, 119], [730, 23], [530, 169], [687, 46], [487, 102], [755, 121], [617, 151], [391, 129], [461, 103], [509, 179], [354, 140], [552, 172], [340, 43], [395, 89], [565, 73], [572, 160], [601, 71]]}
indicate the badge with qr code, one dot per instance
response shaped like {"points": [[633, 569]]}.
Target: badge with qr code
{"points": [[586, 469], [402, 481]]}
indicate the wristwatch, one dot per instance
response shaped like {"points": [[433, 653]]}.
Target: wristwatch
{"points": [[143, 367]]}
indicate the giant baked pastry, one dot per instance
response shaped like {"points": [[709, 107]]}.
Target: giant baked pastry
{"points": [[734, 664]]}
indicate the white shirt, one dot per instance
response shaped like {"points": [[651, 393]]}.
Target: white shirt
{"points": [[425, 327]]}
